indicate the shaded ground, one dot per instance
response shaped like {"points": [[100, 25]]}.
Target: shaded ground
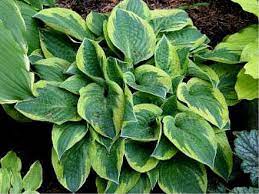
{"points": [[32, 141], [216, 18]]}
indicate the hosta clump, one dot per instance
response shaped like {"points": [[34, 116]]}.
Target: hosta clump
{"points": [[127, 97], [11, 180]]}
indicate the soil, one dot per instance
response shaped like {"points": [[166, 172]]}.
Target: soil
{"points": [[217, 18]]}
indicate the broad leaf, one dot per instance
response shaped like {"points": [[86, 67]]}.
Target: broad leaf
{"points": [[149, 79], [12, 19], [52, 104], [33, 178], [203, 72], [5, 180], [237, 42], [102, 107], [15, 78], [74, 83], [94, 22], [169, 20], [74, 167], [204, 100], [164, 149], [142, 186], [55, 44], [91, 59], [133, 36], [138, 155], [139, 7], [246, 86], [223, 162], [51, 69], [67, 135], [168, 58], [188, 37], [32, 30], [250, 6], [107, 163], [146, 127], [246, 148], [128, 179], [11, 162], [227, 79], [65, 21], [193, 136], [182, 175]]}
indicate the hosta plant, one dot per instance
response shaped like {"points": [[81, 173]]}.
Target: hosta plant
{"points": [[129, 94], [11, 180]]}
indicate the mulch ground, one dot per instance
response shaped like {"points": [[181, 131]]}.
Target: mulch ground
{"points": [[215, 18]]}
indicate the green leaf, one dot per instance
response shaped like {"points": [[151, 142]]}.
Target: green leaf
{"points": [[223, 162], [11, 162], [102, 107], [15, 78], [204, 100], [55, 44], [149, 79], [169, 20], [16, 182], [193, 136], [164, 149], [113, 71], [35, 3], [246, 148], [182, 175], [128, 179], [51, 69], [138, 155], [244, 190], [52, 104], [67, 135], [139, 7], [94, 22], [237, 42], [104, 141], [188, 37], [146, 127], [168, 59], [14, 114], [144, 98], [221, 55], [132, 35], [33, 178], [153, 176], [91, 59], [74, 167], [74, 83], [5, 180], [249, 6], [11, 19], [32, 30], [107, 164], [227, 79], [203, 72], [246, 86], [101, 184], [65, 21], [36, 56], [142, 186]]}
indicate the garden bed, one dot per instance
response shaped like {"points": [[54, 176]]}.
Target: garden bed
{"points": [[216, 19]]}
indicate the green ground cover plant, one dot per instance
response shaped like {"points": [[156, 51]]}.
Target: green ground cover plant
{"points": [[129, 93], [11, 180]]}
